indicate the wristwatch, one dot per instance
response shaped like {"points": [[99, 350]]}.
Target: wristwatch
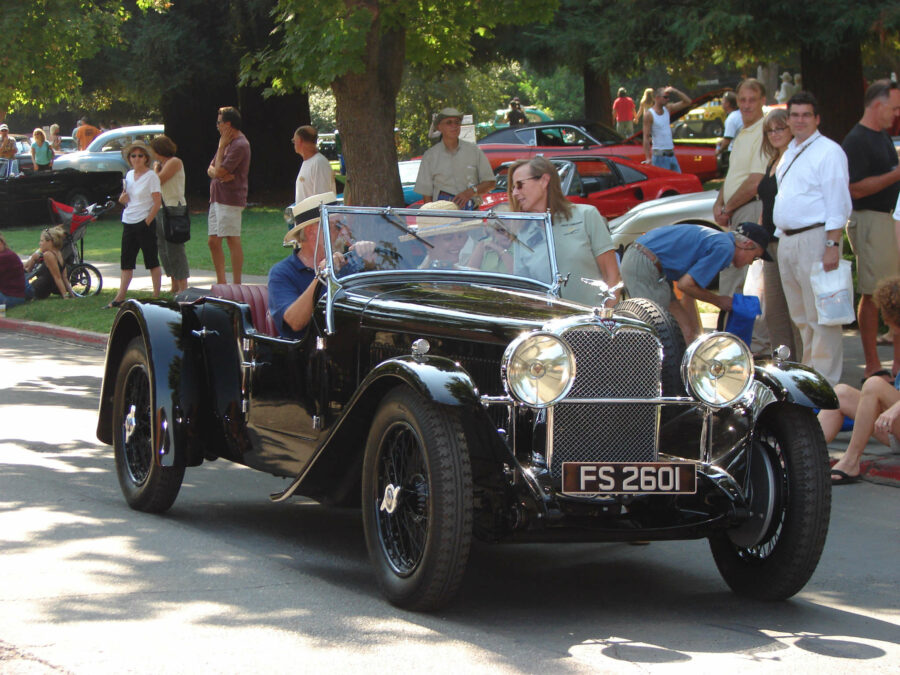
{"points": [[831, 242]]}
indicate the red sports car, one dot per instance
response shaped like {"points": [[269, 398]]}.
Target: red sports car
{"points": [[612, 184], [558, 138]]}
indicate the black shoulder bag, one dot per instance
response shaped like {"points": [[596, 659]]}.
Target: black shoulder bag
{"points": [[176, 223]]}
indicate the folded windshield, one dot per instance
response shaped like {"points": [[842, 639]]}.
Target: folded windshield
{"points": [[425, 241]]}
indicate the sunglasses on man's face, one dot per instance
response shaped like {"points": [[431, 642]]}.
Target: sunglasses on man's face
{"points": [[137, 154]]}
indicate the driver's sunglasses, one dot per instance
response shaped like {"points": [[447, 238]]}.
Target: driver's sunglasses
{"points": [[136, 154]]}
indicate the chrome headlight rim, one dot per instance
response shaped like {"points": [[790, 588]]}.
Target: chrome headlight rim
{"points": [[510, 369], [691, 353]]}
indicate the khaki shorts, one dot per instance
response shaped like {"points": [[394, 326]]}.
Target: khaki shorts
{"points": [[224, 220], [643, 280], [871, 235]]}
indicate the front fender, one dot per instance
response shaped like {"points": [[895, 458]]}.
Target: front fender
{"points": [[435, 377], [795, 383], [161, 329]]}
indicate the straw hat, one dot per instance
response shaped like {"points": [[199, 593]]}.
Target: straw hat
{"points": [[306, 213], [433, 226], [138, 144]]}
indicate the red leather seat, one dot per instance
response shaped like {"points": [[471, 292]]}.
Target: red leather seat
{"points": [[250, 294]]}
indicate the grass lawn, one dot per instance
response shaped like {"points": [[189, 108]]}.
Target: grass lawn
{"points": [[261, 234], [82, 313]]}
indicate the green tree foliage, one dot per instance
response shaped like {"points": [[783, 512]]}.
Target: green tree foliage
{"points": [[358, 48], [44, 42]]}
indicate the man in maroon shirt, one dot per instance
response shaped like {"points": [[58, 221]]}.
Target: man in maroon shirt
{"points": [[228, 170], [12, 276]]}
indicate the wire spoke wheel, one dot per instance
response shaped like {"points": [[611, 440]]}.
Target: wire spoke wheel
{"points": [[775, 552], [417, 500], [146, 485]]}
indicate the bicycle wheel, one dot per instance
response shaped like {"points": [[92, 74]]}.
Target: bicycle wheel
{"points": [[85, 280]]}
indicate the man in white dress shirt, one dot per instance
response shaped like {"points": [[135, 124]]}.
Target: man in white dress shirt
{"points": [[811, 210]]}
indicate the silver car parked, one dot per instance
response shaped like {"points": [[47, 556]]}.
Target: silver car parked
{"points": [[105, 152], [696, 207]]}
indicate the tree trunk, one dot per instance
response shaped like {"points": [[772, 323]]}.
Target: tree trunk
{"points": [[597, 97], [836, 80], [366, 109]]}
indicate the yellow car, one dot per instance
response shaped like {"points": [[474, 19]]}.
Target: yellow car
{"points": [[706, 121]]}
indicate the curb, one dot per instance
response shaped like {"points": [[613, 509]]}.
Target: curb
{"points": [[83, 337]]}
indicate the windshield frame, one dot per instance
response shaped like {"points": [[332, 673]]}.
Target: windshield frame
{"points": [[335, 284]]}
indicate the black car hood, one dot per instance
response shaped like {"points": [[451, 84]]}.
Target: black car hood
{"points": [[455, 308]]}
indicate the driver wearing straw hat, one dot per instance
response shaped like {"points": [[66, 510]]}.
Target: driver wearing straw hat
{"points": [[293, 282]]}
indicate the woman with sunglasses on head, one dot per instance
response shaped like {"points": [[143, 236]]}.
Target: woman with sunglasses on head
{"points": [[584, 247], [142, 198], [776, 137], [50, 277]]}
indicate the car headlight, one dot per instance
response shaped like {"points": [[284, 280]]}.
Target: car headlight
{"points": [[538, 369], [718, 369]]}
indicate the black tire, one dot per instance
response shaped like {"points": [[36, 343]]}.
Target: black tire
{"points": [[669, 333], [772, 557], [714, 129], [85, 280], [147, 486], [78, 201], [419, 542]]}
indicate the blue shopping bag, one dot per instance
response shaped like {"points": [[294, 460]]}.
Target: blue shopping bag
{"points": [[744, 310]]}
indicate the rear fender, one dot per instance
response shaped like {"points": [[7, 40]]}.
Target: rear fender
{"points": [[173, 380]]}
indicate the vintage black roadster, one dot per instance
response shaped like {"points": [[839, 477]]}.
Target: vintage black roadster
{"points": [[457, 396]]}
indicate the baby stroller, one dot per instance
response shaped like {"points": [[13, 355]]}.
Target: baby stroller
{"points": [[85, 278]]}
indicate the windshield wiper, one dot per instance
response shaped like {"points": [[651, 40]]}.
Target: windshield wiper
{"points": [[388, 216]]}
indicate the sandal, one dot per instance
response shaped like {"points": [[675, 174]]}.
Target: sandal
{"points": [[113, 304], [885, 339]]}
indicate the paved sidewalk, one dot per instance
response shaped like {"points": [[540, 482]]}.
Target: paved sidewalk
{"points": [[879, 464]]}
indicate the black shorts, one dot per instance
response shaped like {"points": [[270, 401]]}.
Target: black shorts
{"points": [[139, 237]]}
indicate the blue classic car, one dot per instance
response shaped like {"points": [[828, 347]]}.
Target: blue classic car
{"points": [[454, 395], [23, 196]]}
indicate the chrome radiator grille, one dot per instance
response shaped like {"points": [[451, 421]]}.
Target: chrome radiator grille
{"points": [[625, 364]]}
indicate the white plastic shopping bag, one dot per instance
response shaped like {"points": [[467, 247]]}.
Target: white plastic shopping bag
{"points": [[754, 284], [834, 293]]}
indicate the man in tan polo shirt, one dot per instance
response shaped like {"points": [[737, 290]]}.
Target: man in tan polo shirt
{"points": [[737, 203]]}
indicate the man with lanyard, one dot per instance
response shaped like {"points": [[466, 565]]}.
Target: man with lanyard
{"points": [[452, 169], [874, 186], [656, 127], [811, 209]]}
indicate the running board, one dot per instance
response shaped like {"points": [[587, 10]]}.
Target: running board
{"points": [[288, 492]]}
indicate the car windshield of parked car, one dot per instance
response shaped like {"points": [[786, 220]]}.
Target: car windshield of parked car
{"points": [[409, 171], [430, 241], [501, 175]]}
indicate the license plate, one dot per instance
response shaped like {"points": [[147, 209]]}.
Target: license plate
{"points": [[629, 478]]}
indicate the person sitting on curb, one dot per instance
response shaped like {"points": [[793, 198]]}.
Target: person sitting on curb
{"points": [[12, 276], [50, 276], [875, 410], [689, 256]]}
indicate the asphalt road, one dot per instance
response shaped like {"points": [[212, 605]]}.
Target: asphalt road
{"points": [[228, 582]]}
